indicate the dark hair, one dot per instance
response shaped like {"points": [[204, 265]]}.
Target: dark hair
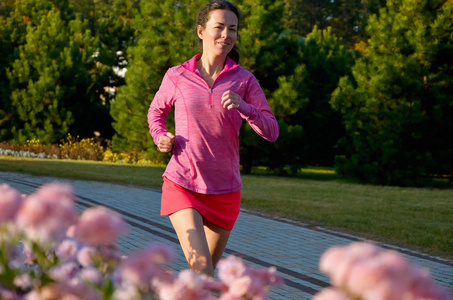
{"points": [[204, 15]]}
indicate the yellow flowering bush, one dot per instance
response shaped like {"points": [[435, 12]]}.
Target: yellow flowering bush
{"points": [[74, 148], [87, 148]]}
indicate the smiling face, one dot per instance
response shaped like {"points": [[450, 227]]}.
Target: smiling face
{"points": [[220, 33]]}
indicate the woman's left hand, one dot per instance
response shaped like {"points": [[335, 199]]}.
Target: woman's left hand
{"points": [[230, 100]]}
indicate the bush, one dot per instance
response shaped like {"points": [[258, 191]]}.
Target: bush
{"points": [[77, 149]]}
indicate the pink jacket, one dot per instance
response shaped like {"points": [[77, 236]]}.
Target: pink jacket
{"points": [[206, 151]]}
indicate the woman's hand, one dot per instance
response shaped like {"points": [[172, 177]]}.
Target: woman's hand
{"points": [[230, 100], [165, 142]]}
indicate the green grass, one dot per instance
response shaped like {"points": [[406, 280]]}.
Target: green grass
{"points": [[417, 218]]}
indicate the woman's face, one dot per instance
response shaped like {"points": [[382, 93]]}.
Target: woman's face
{"points": [[220, 33]]}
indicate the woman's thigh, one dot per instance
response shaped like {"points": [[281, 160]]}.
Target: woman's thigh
{"points": [[217, 239], [189, 226]]}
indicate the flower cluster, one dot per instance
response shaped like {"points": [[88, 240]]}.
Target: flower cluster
{"points": [[49, 252], [74, 148], [364, 271]]}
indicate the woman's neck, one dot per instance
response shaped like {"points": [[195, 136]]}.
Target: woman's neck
{"points": [[211, 66]]}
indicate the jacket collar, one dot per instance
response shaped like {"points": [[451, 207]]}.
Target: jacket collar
{"points": [[191, 64]]}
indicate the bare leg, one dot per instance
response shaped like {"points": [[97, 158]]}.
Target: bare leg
{"points": [[217, 238], [188, 224]]}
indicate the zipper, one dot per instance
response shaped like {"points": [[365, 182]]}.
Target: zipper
{"points": [[210, 88], [210, 96]]}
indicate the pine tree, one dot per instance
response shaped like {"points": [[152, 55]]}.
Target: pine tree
{"points": [[309, 127], [397, 107], [165, 37], [49, 80]]}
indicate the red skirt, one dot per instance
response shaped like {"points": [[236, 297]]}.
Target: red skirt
{"points": [[221, 210]]}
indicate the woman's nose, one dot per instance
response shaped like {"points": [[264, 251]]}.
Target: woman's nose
{"points": [[225, 32]]}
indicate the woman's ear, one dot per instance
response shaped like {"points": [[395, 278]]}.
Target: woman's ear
{"points": [[200, 31]]}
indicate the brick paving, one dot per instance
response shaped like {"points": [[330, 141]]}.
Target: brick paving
{"points": [[293, 248]]}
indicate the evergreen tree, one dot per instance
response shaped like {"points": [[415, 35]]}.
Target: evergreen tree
{"points": [[6, 7], [49, 80], [397, 107], [111, 26], [310, 128], [262, 46], [165, 38], [5, 105]]}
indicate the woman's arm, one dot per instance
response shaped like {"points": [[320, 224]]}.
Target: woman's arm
{"points": [[255, 109], [160, 107]]}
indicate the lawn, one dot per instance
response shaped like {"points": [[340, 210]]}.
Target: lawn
{"points": [[416, 218]]}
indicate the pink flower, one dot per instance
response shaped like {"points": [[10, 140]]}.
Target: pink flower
{"points": [[8, 295], [10, 202], [45, 215], [331, 294], [187, 286], [240, 286], [91, 275], [141, 266], [364, 271], [230, 268], [64, 272], [385, 266], [337, 261], [67, 250], [85, 256], [100, 226], [229, 296], [23, 281], [423, 287]]}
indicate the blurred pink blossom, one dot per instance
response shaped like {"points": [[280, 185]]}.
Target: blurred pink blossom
{"points": [[362, 270], [45, 215], [337, 263], [10, 202], [23, 281], [67, 250], [142, 265], [331, 294], [100, 226], [78, 258], [188, 285], [65, 271], [230, 268], [91, 275], [8, 295], [85, 256], [244, 281]]}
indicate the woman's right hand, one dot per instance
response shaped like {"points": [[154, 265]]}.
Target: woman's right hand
{"points": [[165, 142]]}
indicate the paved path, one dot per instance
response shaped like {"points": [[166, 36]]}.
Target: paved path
{"points": [[261, 241]]}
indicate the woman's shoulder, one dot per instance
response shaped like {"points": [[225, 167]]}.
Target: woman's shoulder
{"points": [[174, 73]]}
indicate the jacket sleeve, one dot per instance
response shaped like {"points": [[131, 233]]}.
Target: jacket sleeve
{"points": [[160, 107], [255, 109]]}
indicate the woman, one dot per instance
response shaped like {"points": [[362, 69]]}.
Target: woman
{"points": [[212, 94]]}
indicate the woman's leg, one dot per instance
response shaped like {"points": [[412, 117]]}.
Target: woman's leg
{"points": [[217, 238], [189, 226]]}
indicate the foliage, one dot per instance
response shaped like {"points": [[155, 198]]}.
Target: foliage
{"points": [[162, 41], [48, 80], [347, 18], [48, 252], [73, 148], [309, 127], [397, 106]]}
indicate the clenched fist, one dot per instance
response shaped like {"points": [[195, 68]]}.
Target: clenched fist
{"points": [[165, 142]]}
